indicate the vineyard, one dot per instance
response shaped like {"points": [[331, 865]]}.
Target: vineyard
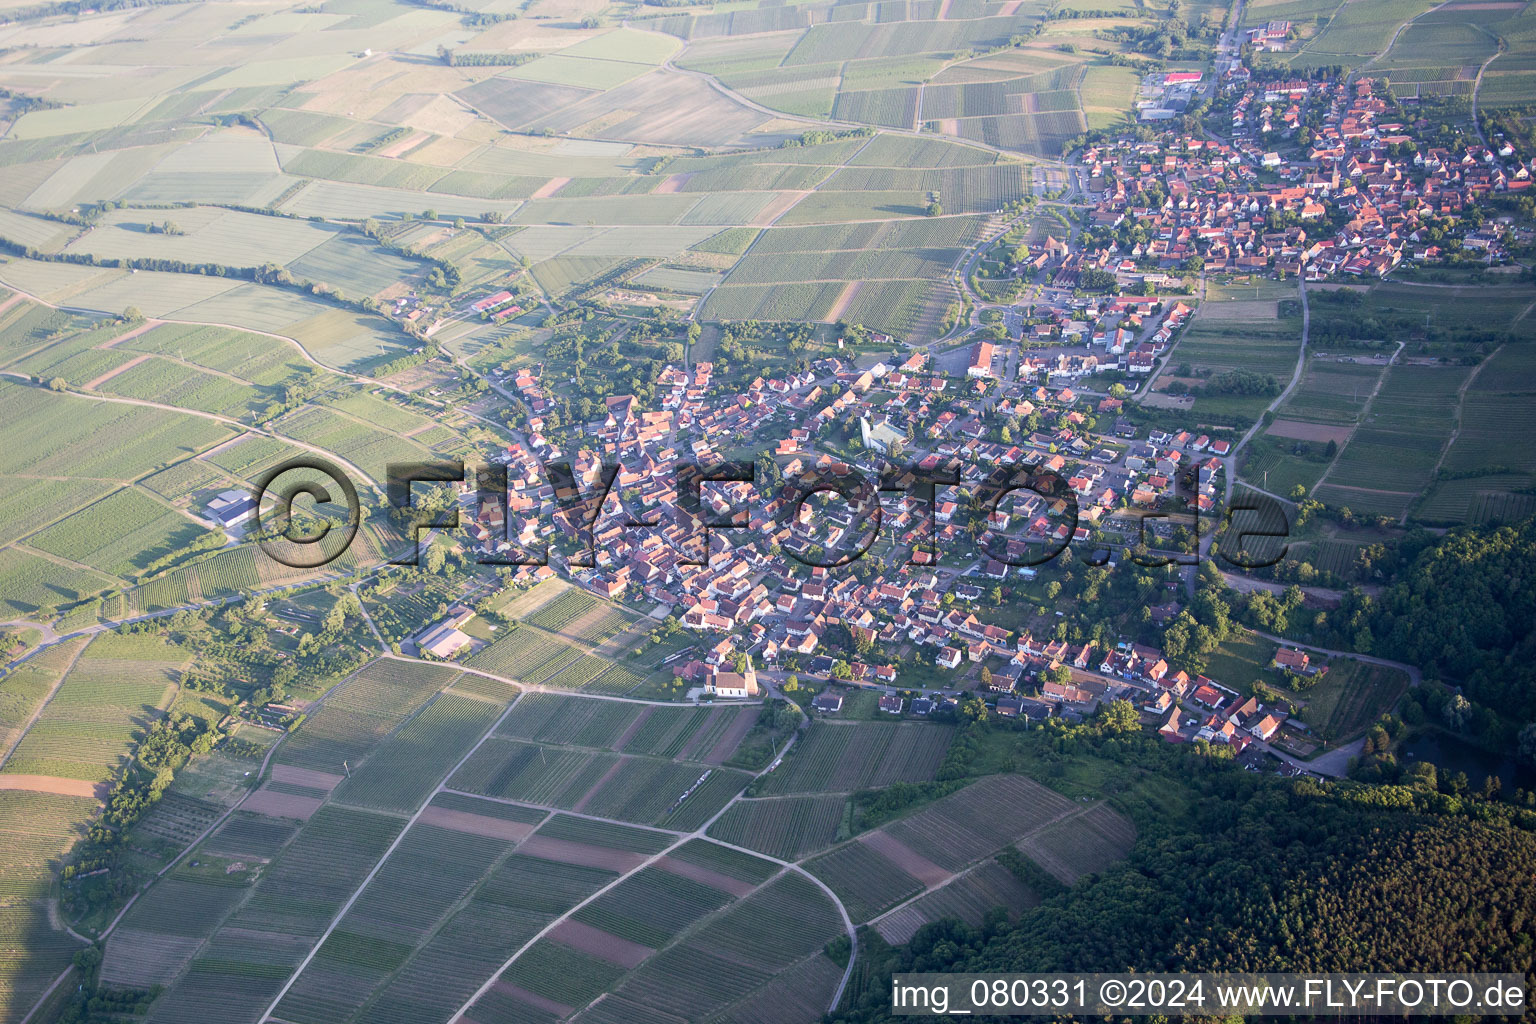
{"points": [[1081, 844], [841, 758], [866, 881], [89, 726], [786, 827], [411, 762]]}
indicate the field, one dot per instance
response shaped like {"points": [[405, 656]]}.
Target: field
{"points": [[116, 687], [1351, 697], [784, 827], [1238, 333], [842, 758], [1391, 456], [884, 868], [969, 897]]}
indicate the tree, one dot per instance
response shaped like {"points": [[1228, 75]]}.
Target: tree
{"points": [[1117, 391], [935, 209], [1119, 716], [1528, 743], [1332, 449], [58, 384], [1059, 673]]}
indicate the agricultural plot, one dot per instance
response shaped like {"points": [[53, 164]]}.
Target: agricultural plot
{"points": [[29, 583], [843, 757], [116, 687], [1081, 844], [26, 686], [1356, 32], [800, 273], [511, 770], [785, 827], [250, 953], [412, 761], [1352, 697], [732, 955], [35, 830], [1389, 459], [59, 436], [359, 713], [969, 897], [207, 235], [119, 535], [437, 867], [29, 504], [894, 863], [369, 448], [1331, 391], [526, 653]]}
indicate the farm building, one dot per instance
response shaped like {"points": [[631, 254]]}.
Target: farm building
{"points": [[445, 639], [231, 507]]}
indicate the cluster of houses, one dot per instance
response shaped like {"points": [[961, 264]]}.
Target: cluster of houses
{"points": [[1342, 206], [727, 568]]}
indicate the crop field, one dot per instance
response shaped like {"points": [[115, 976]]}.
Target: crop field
{"points": [[30, 582], [1331, 392], [736, 952], [120, 535], [421, 880], [55, 435], [37, 829], [185, 387], [843, 757], [523, 653], [1496, 402], [644, 791], [1351, 697], [210, 235], [979, 820], [114, 690], [31, 503], [652, 906], [360, 713], [511, 770], [1388, 460], [969, 897], [864, 879], [1357, 31], [372, 450], [1081, 844], [26, 686], [908, 259], [785, 827], [413, 760], [571, 721]]}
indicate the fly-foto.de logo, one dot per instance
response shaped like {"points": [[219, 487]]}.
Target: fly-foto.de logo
{"points": [[827, 515]]}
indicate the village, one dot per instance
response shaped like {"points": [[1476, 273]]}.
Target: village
{"points": [[1318, 183]]}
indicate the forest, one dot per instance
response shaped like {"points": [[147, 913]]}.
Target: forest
{"points": [[1260, 874]]}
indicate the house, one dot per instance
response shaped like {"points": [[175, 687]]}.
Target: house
{"points": [[922, 706], [1010, 707], [949, 657], [890, 703], [231, 507], [827, 703], [1289, 659], [1265, 727], [733, 684]]}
